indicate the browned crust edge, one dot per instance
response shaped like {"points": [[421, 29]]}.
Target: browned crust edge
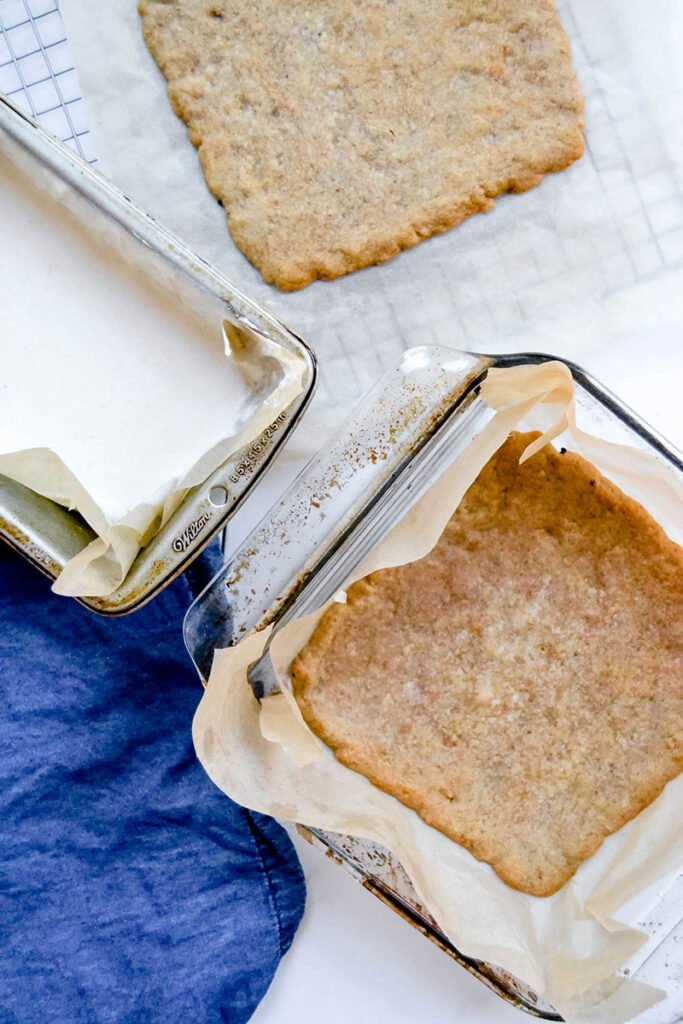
{"points": [[326, 266], [302, 680]]}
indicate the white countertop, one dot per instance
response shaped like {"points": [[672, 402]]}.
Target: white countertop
{"points": [[354, 961]]}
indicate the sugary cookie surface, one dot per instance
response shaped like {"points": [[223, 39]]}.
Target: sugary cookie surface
{"points": [[338, 132], [520, 687]]}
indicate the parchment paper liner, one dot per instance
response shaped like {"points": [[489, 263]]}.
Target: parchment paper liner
{"points": [[101, 567], [568, 946]]}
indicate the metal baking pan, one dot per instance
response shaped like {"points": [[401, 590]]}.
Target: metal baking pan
{"points": [[412, 425], [46, 533]]}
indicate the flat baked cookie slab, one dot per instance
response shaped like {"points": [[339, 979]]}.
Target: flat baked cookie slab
{"points": [[338, 132], [520, 686]]}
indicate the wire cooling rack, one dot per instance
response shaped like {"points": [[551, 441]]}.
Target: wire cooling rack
{"points": [[37, 72]]}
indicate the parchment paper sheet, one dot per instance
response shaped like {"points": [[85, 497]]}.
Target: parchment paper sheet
{"points": [[117, 392], [567, 946], [591, 256]]}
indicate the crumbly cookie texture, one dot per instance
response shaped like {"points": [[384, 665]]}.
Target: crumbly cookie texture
{"points": [[338, 132], [520, 686]]}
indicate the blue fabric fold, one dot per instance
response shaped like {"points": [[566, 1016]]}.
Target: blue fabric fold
{"points": [[131, 890]]}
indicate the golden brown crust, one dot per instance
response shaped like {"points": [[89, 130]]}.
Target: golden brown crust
{"points": [[520, 686], [336, 134]]}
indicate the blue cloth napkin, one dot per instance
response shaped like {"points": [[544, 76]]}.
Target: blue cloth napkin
{"points": [[131, 890]]}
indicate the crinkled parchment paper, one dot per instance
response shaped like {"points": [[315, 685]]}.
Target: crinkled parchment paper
{"points": [[568, 946], [117, 393]]}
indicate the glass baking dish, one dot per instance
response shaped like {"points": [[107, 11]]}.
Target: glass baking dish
{"points": [[48, 534], [411, 426]]}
